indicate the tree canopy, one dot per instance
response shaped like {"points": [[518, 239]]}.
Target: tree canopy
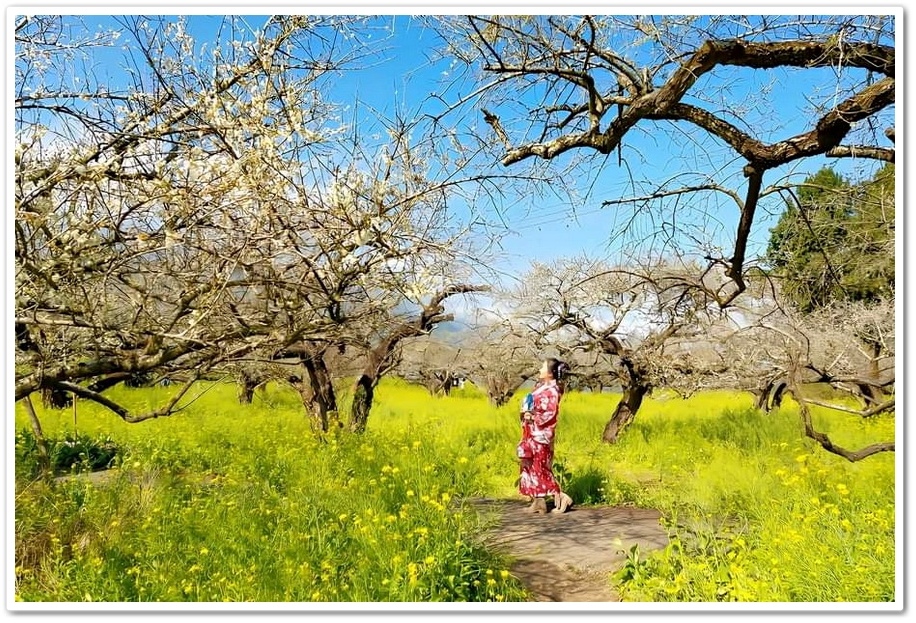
{"points": [[835, 241]]}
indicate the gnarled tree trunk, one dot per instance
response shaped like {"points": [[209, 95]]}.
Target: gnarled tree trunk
{"points": [[44, 456], [626, 410], [437, 382], [381, 358], [499, 394], [501, 387], [363, 395], [770, 397], [318, 396], [873, 393], [55, 398], [247, 384]]}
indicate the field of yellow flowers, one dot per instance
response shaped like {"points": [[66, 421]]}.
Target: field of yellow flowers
{"points": [[239, 503]]}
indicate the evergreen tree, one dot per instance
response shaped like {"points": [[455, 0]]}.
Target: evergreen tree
{"points": [[835, 241]]}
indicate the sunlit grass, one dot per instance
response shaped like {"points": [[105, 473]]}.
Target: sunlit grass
{"points": [[239, 502]]}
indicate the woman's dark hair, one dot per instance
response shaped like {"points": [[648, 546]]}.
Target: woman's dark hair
{"points": [[558, 369]]}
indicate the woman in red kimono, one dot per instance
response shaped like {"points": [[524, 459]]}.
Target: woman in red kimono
{"points": [[535, 450]]}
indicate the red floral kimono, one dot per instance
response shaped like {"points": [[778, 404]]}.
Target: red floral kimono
{"points": [[535, 449]]}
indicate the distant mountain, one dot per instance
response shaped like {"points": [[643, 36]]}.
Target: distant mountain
{"points": [[451, 332]]}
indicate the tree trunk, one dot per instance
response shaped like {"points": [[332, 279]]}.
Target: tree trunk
{"points": [[761, 398], [247, 385], [771, 395], [778, 392], [318, 395], [138, 380], [436, 383], [498, 398], [363, 394], [626, 410], [383, 357], [44, 457], [873, 393], [55, 398], [500, 389]]}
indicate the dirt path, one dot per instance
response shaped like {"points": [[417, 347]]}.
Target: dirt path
{"points": [[569, 556]]}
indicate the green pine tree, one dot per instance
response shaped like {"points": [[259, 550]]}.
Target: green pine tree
{"points": [[835, 241]]}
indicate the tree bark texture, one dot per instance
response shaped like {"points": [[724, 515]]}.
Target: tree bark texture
{"points": [[629, 404]]}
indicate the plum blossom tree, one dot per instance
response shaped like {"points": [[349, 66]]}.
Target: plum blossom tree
{"points": [[630, 317], [573, 90], [141, 199]]}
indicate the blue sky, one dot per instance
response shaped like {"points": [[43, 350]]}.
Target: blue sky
{"points": [[400, 76], [403, 80]]}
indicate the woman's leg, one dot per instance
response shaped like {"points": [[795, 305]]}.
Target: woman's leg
{"points": [[561, 501], [537, 480], [540, 504], [527, 482]]}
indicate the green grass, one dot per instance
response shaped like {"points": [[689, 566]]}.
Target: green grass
{"points": [[238, 502]]}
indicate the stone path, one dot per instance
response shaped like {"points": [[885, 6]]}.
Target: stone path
{"points": [[569, 556]]}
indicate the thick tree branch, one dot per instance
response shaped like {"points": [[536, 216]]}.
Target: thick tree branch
{"points": [[881, 408], [123, 412], [665, 102], [850, 455], [862, 151]]}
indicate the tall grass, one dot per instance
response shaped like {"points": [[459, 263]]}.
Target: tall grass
{"points": [[239, 502], [233, 502]]}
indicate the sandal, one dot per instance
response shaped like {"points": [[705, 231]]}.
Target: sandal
{"points": [[564, 503]]}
